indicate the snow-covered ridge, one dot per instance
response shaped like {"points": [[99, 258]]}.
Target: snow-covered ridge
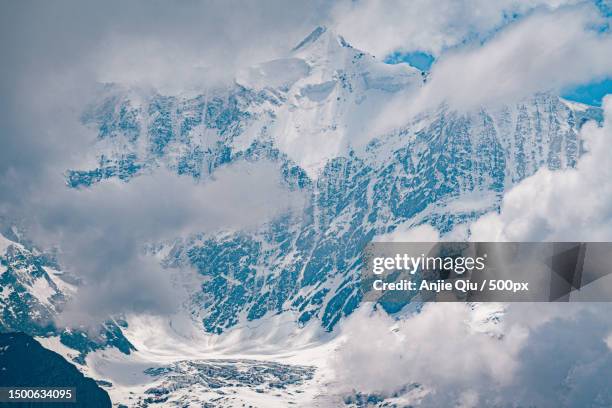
{"points": [[306, 112]]}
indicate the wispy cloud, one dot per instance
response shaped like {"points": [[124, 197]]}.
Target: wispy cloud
{"points": [[545, 51], [381, 27], [101, 231]]}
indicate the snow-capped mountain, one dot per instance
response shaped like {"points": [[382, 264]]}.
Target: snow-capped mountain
{"points": [[307, 112], [442, 168]]}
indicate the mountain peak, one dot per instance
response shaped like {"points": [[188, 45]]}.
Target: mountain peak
{"points": [[310, 38], [317, 35]]}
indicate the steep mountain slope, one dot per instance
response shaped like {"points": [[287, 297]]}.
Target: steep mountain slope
{"points": [[307, 112]]}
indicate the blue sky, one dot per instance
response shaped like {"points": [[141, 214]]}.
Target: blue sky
{"points": [[591, 93], [418, 59]]}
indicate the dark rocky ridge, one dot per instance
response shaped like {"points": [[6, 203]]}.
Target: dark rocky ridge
{"points": [[25, 363]]}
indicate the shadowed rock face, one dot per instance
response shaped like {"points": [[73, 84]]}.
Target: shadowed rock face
{"points": [[25, 363]]}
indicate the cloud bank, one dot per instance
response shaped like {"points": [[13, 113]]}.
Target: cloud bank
{"points": [[100, 232], [543, 52], [381, 27], [546, 51], [545, 355]]}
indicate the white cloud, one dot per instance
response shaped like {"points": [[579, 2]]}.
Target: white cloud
{"points": [[568, 205], [479, 355], [441, 346], [608, 341], [101, 231], [381, 27], [546, 51], [407, 233]]}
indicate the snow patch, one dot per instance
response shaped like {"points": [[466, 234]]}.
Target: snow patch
{"points": [[280, 73], [42, 291], [575, 106]]}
